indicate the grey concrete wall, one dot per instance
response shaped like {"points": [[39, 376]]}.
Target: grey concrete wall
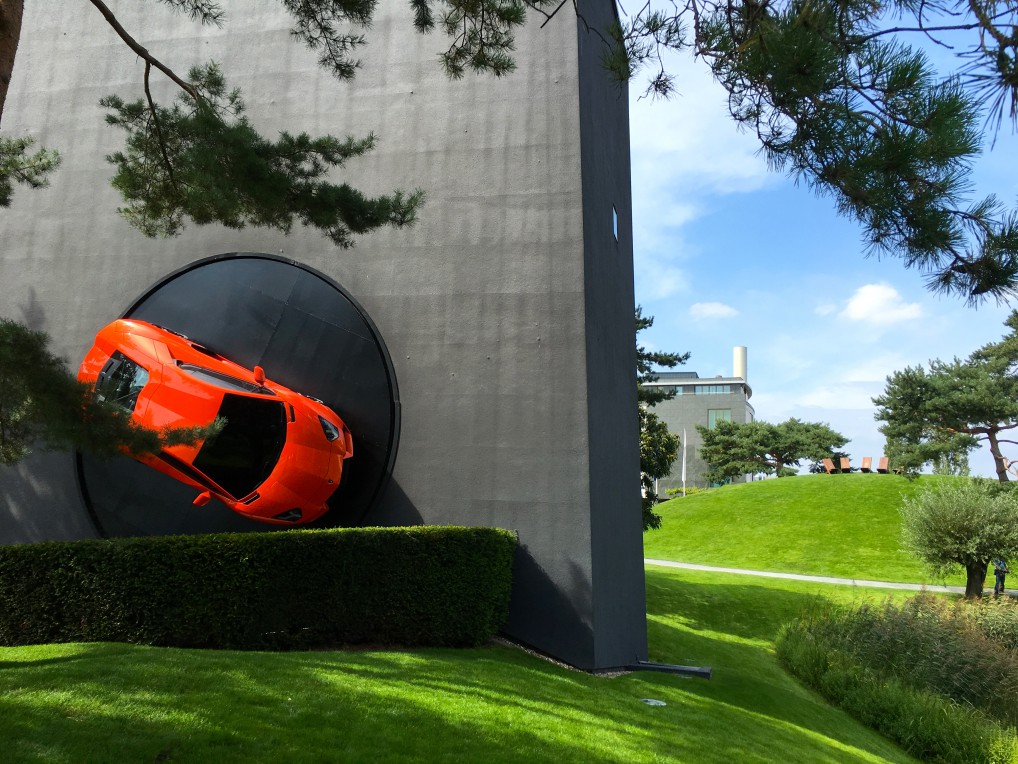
{"points": [[507, 309]]}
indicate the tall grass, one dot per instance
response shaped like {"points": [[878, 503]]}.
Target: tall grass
{"points": [[997, 619], [940, 678]]}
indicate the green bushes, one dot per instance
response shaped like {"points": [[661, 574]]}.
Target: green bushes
{"points": [[997, 619], [928, 674], [690, 491], [298, 589], [965, 523]]}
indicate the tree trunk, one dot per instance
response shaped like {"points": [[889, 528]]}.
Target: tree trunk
{"points": [[975, 579], [998, 459], [10, 32]]}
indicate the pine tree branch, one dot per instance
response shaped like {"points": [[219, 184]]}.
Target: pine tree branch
{"points": [[159, 132], [549, 16], [143, 52], [988, 25], [928, 31]]}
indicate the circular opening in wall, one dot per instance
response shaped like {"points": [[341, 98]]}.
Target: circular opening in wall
{"points": [[309, 335]]}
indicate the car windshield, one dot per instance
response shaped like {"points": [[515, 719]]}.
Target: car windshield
{"points": [[120, 381], [246, 450]]}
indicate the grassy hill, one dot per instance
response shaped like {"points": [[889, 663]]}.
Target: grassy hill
{"points": [[106, 702], [830, 525], [113, 703]]}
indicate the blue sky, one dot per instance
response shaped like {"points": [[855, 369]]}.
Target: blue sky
{"points": [[730, 253]]}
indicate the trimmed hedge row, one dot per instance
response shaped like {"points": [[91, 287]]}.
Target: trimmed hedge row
{"points": [[432, 585]]}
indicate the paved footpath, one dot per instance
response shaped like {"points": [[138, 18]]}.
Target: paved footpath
{"points": [[819, 579]]}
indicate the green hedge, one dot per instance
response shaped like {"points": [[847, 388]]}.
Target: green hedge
{"points": [[297, 589]]}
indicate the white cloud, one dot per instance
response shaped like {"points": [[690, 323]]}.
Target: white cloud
{"points": [[875, 369], [702, 310], [686, 154], [825, 310], [840, 396], [880, 304], [689, 143], [657, 280]]}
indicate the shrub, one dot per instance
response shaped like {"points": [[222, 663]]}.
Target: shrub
{"points": [[997, 619], [930, 644], [690, 491], [296, 589], [927, 725], [966, 524]]}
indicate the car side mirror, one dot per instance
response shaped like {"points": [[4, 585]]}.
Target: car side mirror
{"points": [[202, 499], [259, 375]]}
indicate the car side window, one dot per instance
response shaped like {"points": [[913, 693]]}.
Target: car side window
{"points": [[120, 382]]}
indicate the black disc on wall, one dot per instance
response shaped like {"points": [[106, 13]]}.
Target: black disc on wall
{"points": [[308, 334]]}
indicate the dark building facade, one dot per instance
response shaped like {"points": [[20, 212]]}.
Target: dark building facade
{"points": [[506, 310]]}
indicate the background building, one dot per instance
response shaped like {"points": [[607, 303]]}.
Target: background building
{"points": [[700, 401]]}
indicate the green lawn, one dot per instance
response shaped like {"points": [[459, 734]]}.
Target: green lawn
{"points": [[831, 525], [116, 703]]}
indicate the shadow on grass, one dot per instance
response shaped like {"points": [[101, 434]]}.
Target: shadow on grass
{"points": [[99, 702], [747, 610]]}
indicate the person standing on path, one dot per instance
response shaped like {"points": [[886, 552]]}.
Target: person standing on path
{"points": [[999, 572]]}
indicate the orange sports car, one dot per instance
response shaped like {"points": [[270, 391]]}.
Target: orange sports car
{"points": [[278, 457]]}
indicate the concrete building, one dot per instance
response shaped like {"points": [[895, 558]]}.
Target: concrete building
{"points": [[507, 310], [701, 401]]}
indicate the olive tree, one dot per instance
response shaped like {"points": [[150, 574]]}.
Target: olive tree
{"points": [[966, 523]]}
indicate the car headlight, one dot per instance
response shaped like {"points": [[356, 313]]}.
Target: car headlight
{"points": [[331, 431]]}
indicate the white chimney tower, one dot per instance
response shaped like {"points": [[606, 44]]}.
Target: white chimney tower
{"points": [[739, 362]]}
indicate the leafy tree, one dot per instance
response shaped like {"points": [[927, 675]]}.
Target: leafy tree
{"points": [[42, 402], [647, 360], [658, 447], [214, 170], [658, 450], [740, 448], [838, 97], [966, 523], [833, 89], [201, 159], [952, 464], [938, 415]]}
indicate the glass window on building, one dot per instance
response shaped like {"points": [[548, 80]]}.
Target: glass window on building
{"points": [[718, 415], [712, 389]]}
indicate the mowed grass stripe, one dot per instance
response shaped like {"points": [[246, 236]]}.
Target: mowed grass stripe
{"points": [[107, 702], [845, 526]]}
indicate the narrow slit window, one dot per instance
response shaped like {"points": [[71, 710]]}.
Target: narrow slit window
{"points": [[615, 223]]}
